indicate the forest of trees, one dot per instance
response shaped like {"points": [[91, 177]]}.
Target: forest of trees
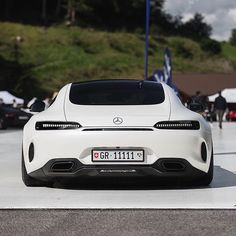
{"points": [[112, 15]]}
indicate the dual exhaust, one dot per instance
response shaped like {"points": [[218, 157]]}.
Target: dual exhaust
{"points": [[69, 166]]}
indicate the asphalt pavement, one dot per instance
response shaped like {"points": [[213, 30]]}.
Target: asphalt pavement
{"points": [[118, 222]]}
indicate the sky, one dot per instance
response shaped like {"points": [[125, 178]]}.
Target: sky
{"points": [[221, 14]]}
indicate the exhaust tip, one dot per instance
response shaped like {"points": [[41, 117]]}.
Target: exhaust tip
{"points": [[173, 166], [63, 166]]}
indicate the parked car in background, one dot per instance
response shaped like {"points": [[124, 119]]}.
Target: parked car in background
{"points": [[10, 116], [3, 124], [231, 116]]}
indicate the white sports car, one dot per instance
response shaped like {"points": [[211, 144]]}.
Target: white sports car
{"points": [[116, 128]]}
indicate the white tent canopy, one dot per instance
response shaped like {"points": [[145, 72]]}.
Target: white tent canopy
{"points": [[229, 94], [8, 98]]}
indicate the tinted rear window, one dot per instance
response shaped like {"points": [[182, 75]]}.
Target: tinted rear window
{"points": [[117, 93]]}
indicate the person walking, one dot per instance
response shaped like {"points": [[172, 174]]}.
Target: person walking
{"points": [[220, 106]]}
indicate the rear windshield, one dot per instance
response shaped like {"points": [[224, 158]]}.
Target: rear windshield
{"points": [[117, 93]]}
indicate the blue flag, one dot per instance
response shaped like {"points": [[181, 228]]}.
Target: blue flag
{"points": [[165, 75], [167, 67], [158, 75]]}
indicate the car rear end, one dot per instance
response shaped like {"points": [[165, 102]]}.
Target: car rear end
{"points": [[118, 129]]}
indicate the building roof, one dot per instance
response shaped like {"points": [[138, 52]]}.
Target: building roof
{"points": [[229, 94], [8, 98], [208, 84]]}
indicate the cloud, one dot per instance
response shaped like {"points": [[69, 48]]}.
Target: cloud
{"points": [[232, 14], [221, 14], [210, 18], [187, 17]]}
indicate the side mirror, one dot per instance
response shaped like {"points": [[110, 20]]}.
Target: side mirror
{"points": [[37, 106], [196, 107]]}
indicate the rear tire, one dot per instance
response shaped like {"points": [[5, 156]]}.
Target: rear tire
{"points": [[207, 179], [28, 180]]}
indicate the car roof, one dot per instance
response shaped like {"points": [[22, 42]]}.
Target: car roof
{"points": [[112, 81]]}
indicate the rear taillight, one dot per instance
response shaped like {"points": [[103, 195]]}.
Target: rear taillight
{"points": [[56, 125], [180, 124]]}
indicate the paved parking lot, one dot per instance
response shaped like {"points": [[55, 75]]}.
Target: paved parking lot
{"points": [[221, 193], [118, 222]]}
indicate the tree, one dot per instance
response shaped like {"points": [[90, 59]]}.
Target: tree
{"points": [[123, 14], [71, 10], [233, 37], [58, 9], [211, 46], [7, 8], [44, 12], [75, 7], [196, 28]]}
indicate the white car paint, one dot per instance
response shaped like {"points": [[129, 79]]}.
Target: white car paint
{"points": [[78, 144]]}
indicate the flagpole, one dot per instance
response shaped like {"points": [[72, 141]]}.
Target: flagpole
{"points": [[147, 39]]}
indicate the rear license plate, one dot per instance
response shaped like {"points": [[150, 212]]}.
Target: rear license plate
{"points": [[118, 155]]}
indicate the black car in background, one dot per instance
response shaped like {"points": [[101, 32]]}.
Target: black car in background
{"points": [[13, 117], [3, 124]]}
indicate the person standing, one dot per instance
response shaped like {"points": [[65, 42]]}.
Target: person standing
{"points": [[197, 98], [14, 103], [220, 106]]}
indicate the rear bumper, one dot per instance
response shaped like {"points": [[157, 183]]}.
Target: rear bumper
{"points": [[78, 144], [163, 169]]}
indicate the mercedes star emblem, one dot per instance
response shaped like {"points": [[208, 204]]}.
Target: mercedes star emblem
{"points": [[117, 120]]}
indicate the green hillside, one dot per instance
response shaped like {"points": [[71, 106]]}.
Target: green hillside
{"points": [[49, 58], [229, 51]]}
